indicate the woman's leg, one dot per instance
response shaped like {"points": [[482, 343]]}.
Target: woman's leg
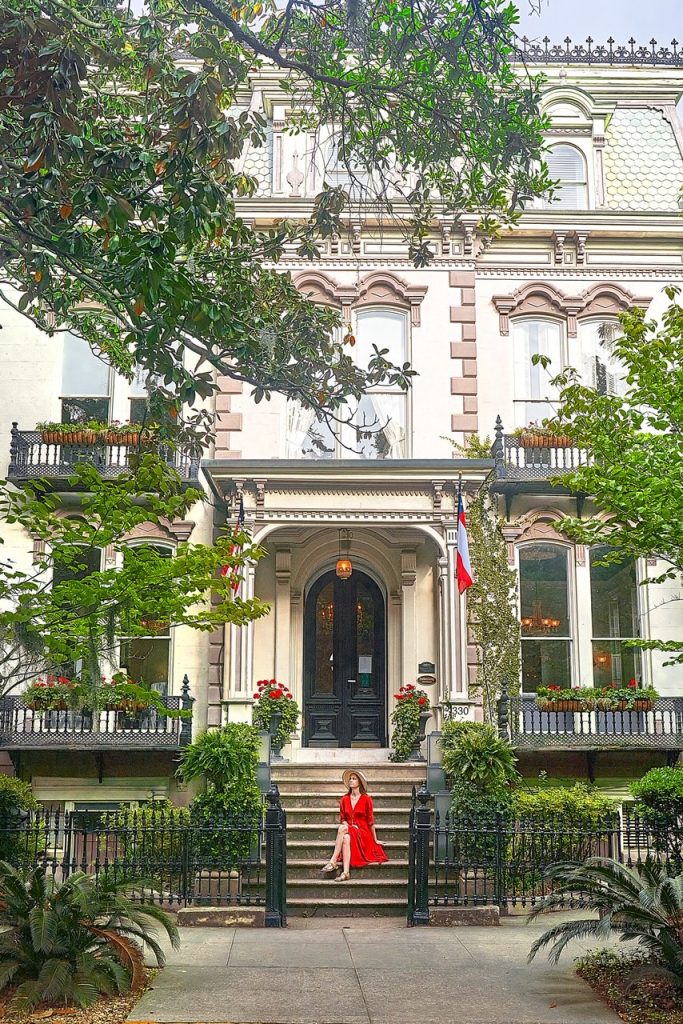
{"points": [[346, 851], [342, 831]]}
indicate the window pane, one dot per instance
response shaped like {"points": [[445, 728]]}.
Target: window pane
{"points": [[83, 372], [614, 662], [567, 167], [308, 436], [80, 410], [323, 681], [543, 591], [87, 561], [384, 328], [545, 662], [146, 661], [378, 428], [614, 596], [599, 368], [532, 383]]}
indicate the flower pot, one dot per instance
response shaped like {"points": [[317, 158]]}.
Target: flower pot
{"points": [[416, 753], [564, 705], [51, 436]]}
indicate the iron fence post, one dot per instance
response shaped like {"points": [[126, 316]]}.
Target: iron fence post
{"points": [[276, 866], [423, 828], [411, 862], [499, 883], [186, 703]]}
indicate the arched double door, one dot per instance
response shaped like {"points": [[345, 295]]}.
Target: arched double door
{"points": [[344, 663]]}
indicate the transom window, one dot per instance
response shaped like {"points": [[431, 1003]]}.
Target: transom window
{"points": [[545, 616], [377, 424], [567, 168]]}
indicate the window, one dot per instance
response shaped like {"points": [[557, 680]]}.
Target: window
{"points": [[147, 659], [377, 425], [534, 394], [86, 383], [599, 368], [86, 561], [545, 616], [567, 167], [614, 605], [336, 173]]}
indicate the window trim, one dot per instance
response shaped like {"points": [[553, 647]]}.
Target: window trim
{"points": [[572, 606], [553, 204]]}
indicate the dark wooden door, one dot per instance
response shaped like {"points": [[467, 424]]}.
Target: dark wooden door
{"points": [[344, 663]]}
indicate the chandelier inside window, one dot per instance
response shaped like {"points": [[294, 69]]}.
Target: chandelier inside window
{"points": [[537, 622]]}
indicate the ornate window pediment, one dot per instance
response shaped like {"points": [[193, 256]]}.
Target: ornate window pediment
{"points": [[539, 298]]}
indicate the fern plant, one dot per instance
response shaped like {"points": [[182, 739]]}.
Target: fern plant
{"points": [[642, 903], [73, 941]]}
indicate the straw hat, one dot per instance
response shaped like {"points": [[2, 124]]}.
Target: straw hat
{"points": [[348, 772]]}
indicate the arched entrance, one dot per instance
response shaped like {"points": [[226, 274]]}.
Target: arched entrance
{"points": [[344, 663]]}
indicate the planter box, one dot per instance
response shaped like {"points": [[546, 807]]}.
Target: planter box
{"points": [[69, 436], [564, 705], [638, 705], [545, 441], [122, 437]]}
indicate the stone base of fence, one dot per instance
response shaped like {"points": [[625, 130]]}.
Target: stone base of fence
{"points": [[221, 917], [459, 917]]}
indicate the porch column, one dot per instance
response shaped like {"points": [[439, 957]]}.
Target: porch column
{"points": [[283, 616], [408, 616]]}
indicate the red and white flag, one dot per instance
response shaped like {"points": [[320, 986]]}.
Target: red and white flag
{"points": [[463, 569], [227, 570]]}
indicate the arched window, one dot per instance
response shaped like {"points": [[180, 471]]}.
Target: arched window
{"points": [[599, 367], [377, 425], [545, 616], [534, 394], [567, 167], [614, 607], [147, 659]]}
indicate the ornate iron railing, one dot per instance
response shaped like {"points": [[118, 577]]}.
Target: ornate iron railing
{"points": [[528, 728], [173, 857], [22, 728], [534, 456], [31, 458], [501, 858], [590, 52]]}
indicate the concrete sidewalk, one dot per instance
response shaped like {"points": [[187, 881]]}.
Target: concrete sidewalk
{"points": [[360, 971]]}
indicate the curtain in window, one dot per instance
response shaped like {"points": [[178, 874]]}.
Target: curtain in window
{"points": [[299, 422]]}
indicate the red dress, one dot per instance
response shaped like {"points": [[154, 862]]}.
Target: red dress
{"points": [[364, 849]]}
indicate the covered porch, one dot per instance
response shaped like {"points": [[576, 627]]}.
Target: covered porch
{"points": [[344, 646]]}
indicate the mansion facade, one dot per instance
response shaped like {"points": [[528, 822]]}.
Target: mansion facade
{"points": [[381, 492]]}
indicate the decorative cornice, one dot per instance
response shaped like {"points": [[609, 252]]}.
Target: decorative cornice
{"points": [[386, 288], [543, 298]]}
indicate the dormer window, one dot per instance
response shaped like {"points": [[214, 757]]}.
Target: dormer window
{"points": [[567, 167]]}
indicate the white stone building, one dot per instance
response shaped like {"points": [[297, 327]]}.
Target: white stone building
{"points": [[468, 324]]}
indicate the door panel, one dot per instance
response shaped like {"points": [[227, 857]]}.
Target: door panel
{"points": [[344, 663]]}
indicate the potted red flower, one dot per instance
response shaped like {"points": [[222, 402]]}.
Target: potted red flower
{"points": [[409, 718], [275, 711]]}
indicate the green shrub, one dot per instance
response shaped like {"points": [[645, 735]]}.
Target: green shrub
{"points": [[227, 760], [73, 941], [659, 803], [474, 755], [18, 840], [575, 807]]}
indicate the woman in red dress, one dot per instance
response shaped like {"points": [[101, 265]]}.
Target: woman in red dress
{"points": [[356, 836]]}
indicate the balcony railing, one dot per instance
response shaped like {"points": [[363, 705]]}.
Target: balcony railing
{"points": [[31, 458], [21, 728], [534, 457], [527, 728]]}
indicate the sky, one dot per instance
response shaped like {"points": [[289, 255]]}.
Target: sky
{"points": [[621, 19]]}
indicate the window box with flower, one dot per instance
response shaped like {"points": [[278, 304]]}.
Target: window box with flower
{"points": [[608, 698], [71, 433], [275, 711], [409, 719], [538, 436]]}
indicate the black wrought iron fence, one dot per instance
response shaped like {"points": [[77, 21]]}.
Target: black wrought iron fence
{"points": [[174, 857], [501, 859]]}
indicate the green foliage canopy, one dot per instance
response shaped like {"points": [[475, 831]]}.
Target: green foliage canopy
{"points": [[122, 187]]}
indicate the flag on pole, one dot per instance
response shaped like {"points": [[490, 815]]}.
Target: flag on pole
{"points": [[463, 569], [235, 546]]}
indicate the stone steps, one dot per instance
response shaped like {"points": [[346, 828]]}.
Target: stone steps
{"points": [[310, 794]]}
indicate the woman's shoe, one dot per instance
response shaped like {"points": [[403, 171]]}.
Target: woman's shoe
{"points": [[344, 877], [330, 868]]}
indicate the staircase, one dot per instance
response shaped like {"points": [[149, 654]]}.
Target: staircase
{"points": [[310, 794]]}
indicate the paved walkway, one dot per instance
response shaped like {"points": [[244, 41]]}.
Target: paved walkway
{"points": [[357, 971]]}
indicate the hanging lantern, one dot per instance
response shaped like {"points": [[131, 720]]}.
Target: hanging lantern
{"points": [[344, 568]]}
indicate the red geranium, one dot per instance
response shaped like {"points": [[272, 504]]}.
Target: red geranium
{"points": [[289, 697], [422, 700], [399, 696], [633, 683], [256, 696], [275, 694]]}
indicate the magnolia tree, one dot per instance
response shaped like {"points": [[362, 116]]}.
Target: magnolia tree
{"points": [[122, 185], [635, 445], [70, 608]]}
